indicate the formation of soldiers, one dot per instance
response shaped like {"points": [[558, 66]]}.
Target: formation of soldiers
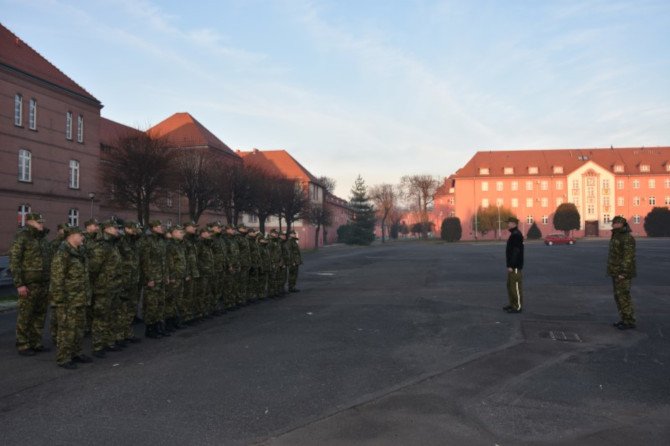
{"points": [[95, 278]]}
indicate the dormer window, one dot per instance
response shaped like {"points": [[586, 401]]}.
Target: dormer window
{"points": [[510, 170], [618, 168], [532, 170], [483, 171], [644, 167], [558, 169]]}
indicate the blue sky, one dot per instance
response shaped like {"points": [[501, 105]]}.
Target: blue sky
{"points": [[380, 88]]}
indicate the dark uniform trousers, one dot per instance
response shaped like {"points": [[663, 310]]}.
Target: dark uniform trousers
{"points": [[514, 288]]}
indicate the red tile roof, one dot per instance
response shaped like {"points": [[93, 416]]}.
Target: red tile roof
{"points": [[277, 162], [657, 158], [19, 56], [111, 131], [184, 131]]}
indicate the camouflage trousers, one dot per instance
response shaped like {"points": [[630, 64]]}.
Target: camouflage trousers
{"points": [[154, 304], [71, 325], [220, 278], [31, 316], [174, 291], [280, 280], [201, 297], [53, 324], [515, 289], [118, 317], [252, 284], [292, 276], [102, 326], [262, 285], [229, 290], [130, 309], [624, 303], [243, 286], [185, 304]]}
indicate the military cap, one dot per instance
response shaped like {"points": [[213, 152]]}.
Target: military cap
{"points": [[215, 223], [91, 221], [619, 219], [513, 220], [186, 224], [154, 223], [61, 226], [69, 230], [242, 228], [274, 231], [130, 224], [34, 216], [263, 240], [177, 228], [109, 223]]}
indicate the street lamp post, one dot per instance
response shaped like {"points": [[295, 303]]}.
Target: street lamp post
{"points": [[499, 228], [91, 196]]}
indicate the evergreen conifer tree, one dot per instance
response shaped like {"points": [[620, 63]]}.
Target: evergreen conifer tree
{"points": [[363, 224]]}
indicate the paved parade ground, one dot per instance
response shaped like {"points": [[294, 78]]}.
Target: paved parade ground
{"points": [[402, 344]]}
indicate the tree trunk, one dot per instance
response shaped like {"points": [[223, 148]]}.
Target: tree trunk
{"points": [[383, 230], [325, 236], [316, 237]]}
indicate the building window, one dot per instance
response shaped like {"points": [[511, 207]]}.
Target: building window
{"points": [[652, 201], [529, 220], [544, 185], [68, 125], [606, 201], [558, 169], [575, 184], [620, 201], [618, 168], [451, 201], [25, 165], [508, 170], [485, 202], [652, 184], [606, 184], [667, 183], [483, 171], [168, 200], [24, 210], [485, 186], [499, 202], [619, 184], [544, 202], [532, 170], [667, 201], [32, 114], [636, 219], [606, 218], [575, 200], [545, 219], [529, 202], [499, 186], [559, 201], [636, 184], [253, 218], [73, 217], [636, 201], [529, 185], [74, 174], [590, 209], [515, 202], [644, 167], [18, 110], [559, 185], [80, 128], [515, 185]]}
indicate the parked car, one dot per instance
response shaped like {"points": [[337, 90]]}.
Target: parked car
{"points": [[559, 239], [5, 275]]}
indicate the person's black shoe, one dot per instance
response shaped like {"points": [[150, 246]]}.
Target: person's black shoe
{"points": [[121, 343], [294, 290], [507, 307], [617, 324], [82, 359], [133, 340], [625, 326], [41, 349], [26, 352], [99, 354], [514, 311], [68, 365], [112, 348]]}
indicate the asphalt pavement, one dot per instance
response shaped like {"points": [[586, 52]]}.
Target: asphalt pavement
{"points": [[396, 344]]}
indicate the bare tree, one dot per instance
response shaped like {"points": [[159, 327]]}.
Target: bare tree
{"points": [[292, 201], [320, 216], [385, 198], [420, 191], [234, 191], [138, 168], [196, 173], [263, 194]]}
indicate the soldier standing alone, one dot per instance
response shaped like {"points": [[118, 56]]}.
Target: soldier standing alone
{"points": [[621, 267], [514, 256]]}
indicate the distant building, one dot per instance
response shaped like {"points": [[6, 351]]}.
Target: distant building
{"points": [[49, 130], [602, 183]]}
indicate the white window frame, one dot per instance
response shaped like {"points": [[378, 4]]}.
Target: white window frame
{"points": [[73, 217], [18, 110], [80, 128], [530, 220], [618, 168], [544, 202], [74, 174], [606, 219], [529, 202], [532, 170], [652, 201], [499, 186], [485, 186], [515, 202], [667, 200], [636, 184], [32, 114], [545, 219], [514, 185], [68, 125], [620, 201], [25, 166], [483, 171], [529, 185], [636, 201], [652, 183], [636, 219], [499, 202], [559, 185], [544, 185], [644, 168], [485, 203], [620, 184], [24, 210], [508, 170]]}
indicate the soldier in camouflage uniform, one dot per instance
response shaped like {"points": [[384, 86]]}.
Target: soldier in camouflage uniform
{"points": [[621, 267], [253, 284], [286, 257], [276, 263], [245, 265], [206, 268], [29, 261], [220, 266], [265, 266], [106, 269], [186, 305], [91, 238], [177, 271], [155, 279], [294, 263], [54, 245], [130, 296], [70, 291], [233, 258]]}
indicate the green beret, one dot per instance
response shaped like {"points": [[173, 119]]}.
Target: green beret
{"points": [[34, 216], [108, 224], [61, 226], [186, 224], [513, 220], [154, 223], [619, 219], [91, 221], [130, 224], [69, 230], [177, 228]]}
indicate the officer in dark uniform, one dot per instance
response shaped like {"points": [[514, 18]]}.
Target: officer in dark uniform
{"points": [[514, 255]]}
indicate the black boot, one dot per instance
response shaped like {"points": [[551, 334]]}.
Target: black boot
{"points": [[151, 332], [161, 329]]}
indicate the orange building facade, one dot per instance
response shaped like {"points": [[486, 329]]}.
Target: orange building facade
{"points": [[602, 183]]}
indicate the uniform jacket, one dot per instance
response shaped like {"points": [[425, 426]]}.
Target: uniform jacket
{"points": [[190, 245], [243, 246], [130, 257], [152, 258], [621, 258], [105, 265], [176, 259], [219, 252], [254, 255], [514, 250], [294, 252], [205, 258], [69, 277], [30, 257], [232, 251]]}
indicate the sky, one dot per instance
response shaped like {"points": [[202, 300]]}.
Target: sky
{"points": [[377, 88]]}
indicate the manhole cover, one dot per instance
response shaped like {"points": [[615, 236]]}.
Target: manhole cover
{"points": [[562, 336]]}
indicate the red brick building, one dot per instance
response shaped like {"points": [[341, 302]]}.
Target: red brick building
{"points": [[49, 128], [602, 183]]}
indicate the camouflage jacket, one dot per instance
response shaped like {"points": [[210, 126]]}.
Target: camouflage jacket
{"points": [[69, 277], [105, 265], [205, 258], [152, 259], [285, 253], [254, 255], [264, 255], [274, 249], [55, 244], [191, 246], [130, 257], [232, 251], [219, 252], [176, 259], [30, 257], [621, 258], [243, 246], [294, 252]]}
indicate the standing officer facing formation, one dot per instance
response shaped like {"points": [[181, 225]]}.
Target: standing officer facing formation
{"points": [[514, 256], [621, 267]]}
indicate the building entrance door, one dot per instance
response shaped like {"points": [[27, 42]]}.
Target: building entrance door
{"points": [[591, 228]]}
